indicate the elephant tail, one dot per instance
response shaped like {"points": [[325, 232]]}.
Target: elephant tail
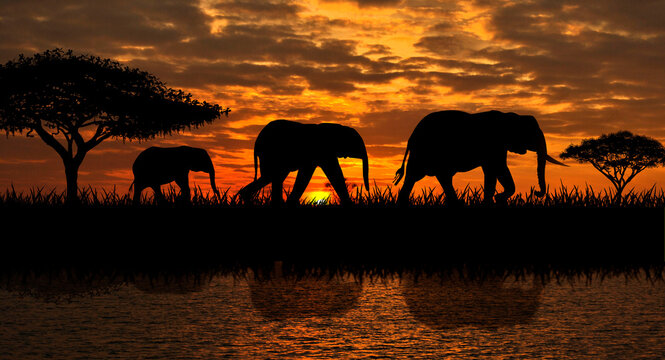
{"points": [[256, 162], [399, 174], [131, 186]]}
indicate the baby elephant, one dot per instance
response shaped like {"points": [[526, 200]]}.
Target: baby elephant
{"points": [[156, 166]]}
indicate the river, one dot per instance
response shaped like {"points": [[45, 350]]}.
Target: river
{"points": [[214, 315]]}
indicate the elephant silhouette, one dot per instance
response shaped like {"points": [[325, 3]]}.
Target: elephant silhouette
{"points": [[156, 166], [447, 142], [283, 146]]}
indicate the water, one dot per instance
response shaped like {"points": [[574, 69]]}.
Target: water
{"points": [[216, 316]]}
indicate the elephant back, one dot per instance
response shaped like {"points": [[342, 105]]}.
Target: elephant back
{"points": [[289, 140], [282, 141], [456, 130], [438, 129], [155, 159]]}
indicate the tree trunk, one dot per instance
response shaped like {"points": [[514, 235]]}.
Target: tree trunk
{"points": [[72, 173], [617, 196]]}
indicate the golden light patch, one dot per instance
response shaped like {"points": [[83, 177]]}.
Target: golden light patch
{"points": [[317, 197], [573, 29], [475, 21]]}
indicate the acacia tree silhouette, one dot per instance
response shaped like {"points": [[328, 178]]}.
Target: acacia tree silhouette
{"points": [[59, 95], [618, 156]]}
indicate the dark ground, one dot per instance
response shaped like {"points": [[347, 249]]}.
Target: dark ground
{"points": [[416, 235]]}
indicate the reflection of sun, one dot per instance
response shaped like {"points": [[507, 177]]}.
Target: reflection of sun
{"points": [[317, 197]]}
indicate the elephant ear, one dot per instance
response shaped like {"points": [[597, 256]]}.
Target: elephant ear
{"points": [[326, 139], [520, 133]]}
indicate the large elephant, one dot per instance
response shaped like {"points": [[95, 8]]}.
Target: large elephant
{"points": [[451, 301], [448, 142], [156, 166], [283, 146]]}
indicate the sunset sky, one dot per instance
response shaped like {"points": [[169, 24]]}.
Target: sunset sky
{"points": [[581, 68]]}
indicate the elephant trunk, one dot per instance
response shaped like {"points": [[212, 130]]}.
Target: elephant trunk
{"points": [[541, 150], [212, 181]]}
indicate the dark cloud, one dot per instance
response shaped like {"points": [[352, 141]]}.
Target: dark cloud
{"points": [[441, 45], [278, 79], [599, 60], [391, 126], [105, 26], [644, 17], [259, 9], [174, 42], [378, 49], [382, 151], [442, 27], [371, 3], [378, 3], [598, 117], [461, 82], [323, 26], [587, 51]]}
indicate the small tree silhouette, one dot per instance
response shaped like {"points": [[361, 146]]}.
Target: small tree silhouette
{"points": [[618, 156], [59, 96]]}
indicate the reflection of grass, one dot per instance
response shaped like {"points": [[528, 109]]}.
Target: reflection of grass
{"points": [[378, 197], [168, 276]]}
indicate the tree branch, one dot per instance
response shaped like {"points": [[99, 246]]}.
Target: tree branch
{"points": [[633, 173], [50, 140], [101, 134], [606, 174]]}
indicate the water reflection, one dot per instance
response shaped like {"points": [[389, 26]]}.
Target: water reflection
{"points": [[294, 311], [166, 283], [67, 284], [453, 301], [279, 294], [60, 285]]}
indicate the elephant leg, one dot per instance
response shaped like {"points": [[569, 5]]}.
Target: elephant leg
{"points": [[248, 192], [138, 189], [489, 185], [334, 173], [183, 183], [506, 180], [446, 182], [302, 180], [490, 176], [159, 197], [277, 189], [412, 176]]}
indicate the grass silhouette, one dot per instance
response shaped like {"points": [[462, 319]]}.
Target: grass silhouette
{"points": [[378, 197], [571, 225]]}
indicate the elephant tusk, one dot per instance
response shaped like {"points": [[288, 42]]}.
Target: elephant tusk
{"points": [[553, 160]]}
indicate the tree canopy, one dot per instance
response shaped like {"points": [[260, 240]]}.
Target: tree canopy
{"points": [[618, 156], [58, 94]]}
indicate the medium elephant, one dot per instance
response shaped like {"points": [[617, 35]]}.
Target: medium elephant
{"points": [[447, 142], [289, 292], [283, 146], [156, 166]]}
